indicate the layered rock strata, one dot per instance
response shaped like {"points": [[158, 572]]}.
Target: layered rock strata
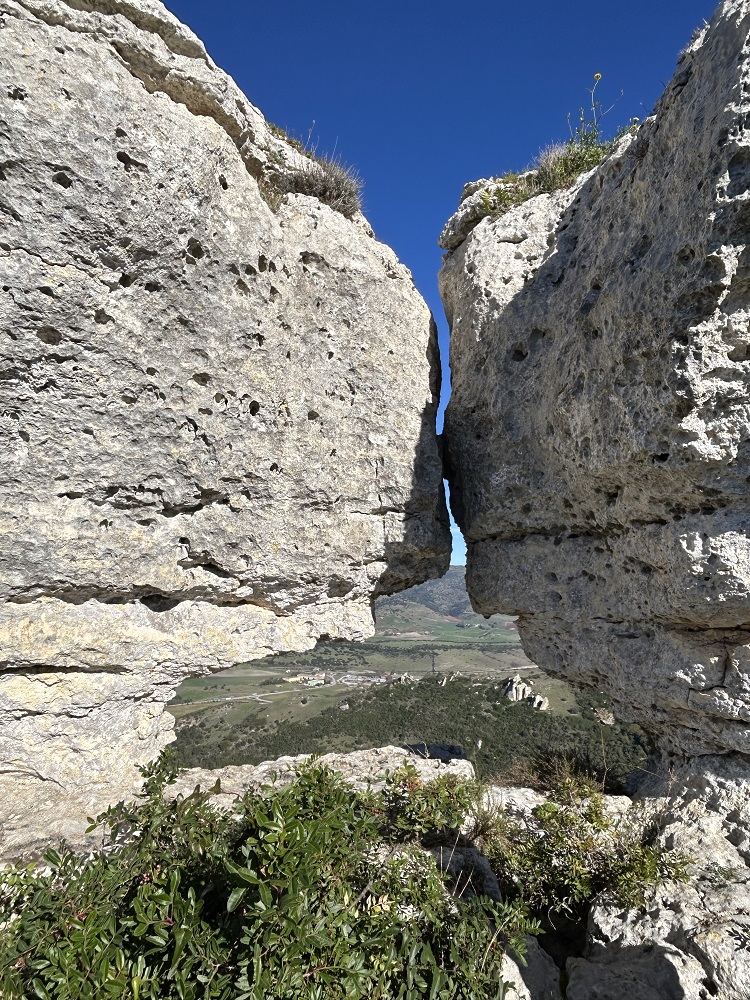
{"points": [[598, 434], [217, 416]]}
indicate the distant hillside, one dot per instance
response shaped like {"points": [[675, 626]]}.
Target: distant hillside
{"points": [[443, 600]]}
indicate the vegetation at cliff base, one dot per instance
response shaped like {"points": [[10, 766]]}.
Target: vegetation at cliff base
{"points": [[308, 892], [313, 891]]}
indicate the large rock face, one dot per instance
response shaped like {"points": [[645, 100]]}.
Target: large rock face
{"points": [[599, 429], [217, 419]]}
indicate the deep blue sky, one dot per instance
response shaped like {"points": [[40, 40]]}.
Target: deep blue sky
{"points": [[423, 96]]}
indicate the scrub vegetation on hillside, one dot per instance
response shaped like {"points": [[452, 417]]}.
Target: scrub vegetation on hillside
{"points": [[493, 731], [309, 892]]}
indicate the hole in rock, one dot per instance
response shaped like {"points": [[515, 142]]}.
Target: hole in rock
{"points": [[159, 603], [62, 179], [49, 335], [195, 249], [129, 162]]}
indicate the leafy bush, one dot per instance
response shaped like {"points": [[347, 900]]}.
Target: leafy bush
{"points": [[328, 180], [302, 893], [572, 851], [416, 807]]}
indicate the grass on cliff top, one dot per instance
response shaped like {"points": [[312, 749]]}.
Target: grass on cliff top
{"points": [[560, 164], [326, 178]]}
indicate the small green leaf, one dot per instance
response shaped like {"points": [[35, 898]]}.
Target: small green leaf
{"points": [[235, 898]]}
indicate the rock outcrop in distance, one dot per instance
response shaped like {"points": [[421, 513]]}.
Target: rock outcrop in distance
{"points": [[598, 434], [217, 415]]}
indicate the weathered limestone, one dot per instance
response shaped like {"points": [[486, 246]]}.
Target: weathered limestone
{"points": [[598, 434], [217, 419], [690, 941]]}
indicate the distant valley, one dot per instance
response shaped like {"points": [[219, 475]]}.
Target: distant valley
{"points": [[433, 673]]}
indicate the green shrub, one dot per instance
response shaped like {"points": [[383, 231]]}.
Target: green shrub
{"points": [[302, 893], [413, 807], [572, 851]]}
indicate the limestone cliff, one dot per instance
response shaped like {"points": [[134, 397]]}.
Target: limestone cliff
{"points": [[598, 434], [217, 416]]}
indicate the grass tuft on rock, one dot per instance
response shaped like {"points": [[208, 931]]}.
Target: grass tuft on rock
{"points": [[328, 180]]}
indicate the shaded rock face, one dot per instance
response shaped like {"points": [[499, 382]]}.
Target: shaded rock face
{"points": [[598, 434], [217, 419]]}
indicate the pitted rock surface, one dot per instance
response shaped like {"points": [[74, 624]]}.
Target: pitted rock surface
{"points": [[217, 419], [598, 434], [690, 940]]}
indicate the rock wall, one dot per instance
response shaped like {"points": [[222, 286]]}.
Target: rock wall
{"points": [[217, 418], [690, 940], [598, 434]]}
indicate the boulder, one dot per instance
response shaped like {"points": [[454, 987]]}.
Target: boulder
{"points": [[515, 689], [597, 434], [218, 400], [535, 978]]}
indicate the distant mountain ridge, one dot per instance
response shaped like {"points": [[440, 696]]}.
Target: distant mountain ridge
{"points": [[444, 599]]}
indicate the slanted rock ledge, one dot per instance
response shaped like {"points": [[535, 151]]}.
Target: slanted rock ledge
{"points": [[217, 419]]}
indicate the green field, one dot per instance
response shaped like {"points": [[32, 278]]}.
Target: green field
{"points": [[442, 669]]}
